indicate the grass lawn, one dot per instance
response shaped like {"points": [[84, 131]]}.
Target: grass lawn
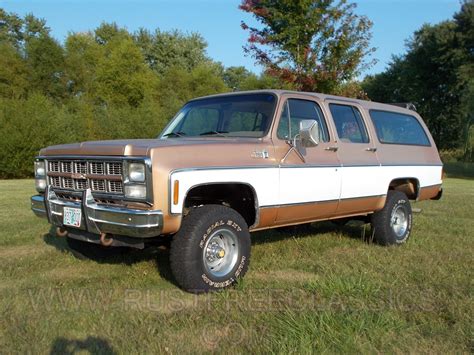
{"points": [[319, 288]]}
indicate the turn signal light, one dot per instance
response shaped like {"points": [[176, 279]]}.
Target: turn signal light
{"points": [[176, 192]]}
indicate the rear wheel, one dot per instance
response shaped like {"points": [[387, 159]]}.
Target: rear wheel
{"points": [[211, 250], [86, 250], [392, 224]]}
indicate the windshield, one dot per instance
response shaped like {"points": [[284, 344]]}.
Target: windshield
{"points": [[247, 115]]}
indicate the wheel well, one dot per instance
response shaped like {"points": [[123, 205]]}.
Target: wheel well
{"points": [[409, 186], [238, 196]]}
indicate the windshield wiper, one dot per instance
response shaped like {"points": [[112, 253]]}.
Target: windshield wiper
{"points": [[217, 133], [174, 134]]}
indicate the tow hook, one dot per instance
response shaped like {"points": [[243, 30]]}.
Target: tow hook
{"points": [[61, 232], [105, 240]]}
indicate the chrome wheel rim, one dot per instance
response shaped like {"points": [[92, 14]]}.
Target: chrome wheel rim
{"points": [[220, 253], [399, 221]]}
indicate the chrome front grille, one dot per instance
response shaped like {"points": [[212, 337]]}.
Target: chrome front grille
{"points": [[116, 187], [77, 175], [80, 167], [98, 185], [81, 184], [66, 166], [68, 183], [96, 168], [54, 166], [114, 168]]}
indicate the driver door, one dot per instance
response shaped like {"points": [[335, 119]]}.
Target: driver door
{"points": [[310, 177]]}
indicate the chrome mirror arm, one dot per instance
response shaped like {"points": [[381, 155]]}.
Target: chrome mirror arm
{"points": [[293, 147]]}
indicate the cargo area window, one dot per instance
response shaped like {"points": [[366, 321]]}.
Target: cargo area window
{"points": [[296, 110], [398, 128], [349, 124]]}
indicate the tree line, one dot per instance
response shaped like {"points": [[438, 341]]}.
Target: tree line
{"points": [[437, 75], [108, 83], [111, 83]]}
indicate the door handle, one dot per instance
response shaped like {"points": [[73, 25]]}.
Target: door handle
{"points": [[372, 149], [332, 149]]}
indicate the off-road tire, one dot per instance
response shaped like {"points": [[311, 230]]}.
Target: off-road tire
{"points": [[384, 222], [86, 250], [189, 248]]}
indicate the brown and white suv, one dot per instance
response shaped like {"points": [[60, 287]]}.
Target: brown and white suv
{"points": [[231, 164]]}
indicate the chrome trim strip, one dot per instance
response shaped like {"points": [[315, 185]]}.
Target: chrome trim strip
{"points": [[320, 202], [434, 185], [412, 164], [91, 157]]}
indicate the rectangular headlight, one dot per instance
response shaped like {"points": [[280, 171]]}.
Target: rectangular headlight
{"points": [[135, 191], [40, 175], [40, 170], [40, 185], [136, 172]]}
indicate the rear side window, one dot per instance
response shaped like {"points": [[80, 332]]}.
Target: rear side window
{"points": [[398, 128], [349, 124]]}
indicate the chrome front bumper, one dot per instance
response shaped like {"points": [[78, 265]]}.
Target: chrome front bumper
{"points": [[98, 218]]}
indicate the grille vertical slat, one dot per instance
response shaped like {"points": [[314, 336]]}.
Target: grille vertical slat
{"points": [[54, 166], [96, 168], [55, 181], [80, 167], [115, 187], [81, 184], [98, 185], [114, 168], [67, 183], [66, 167]]}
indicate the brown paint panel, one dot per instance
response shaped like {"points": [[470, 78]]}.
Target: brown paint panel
{"points": [[362, 205], [267, 217], [304, 212], [428, 192]]}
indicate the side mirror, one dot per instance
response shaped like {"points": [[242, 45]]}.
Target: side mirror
{"points": [[309, 133]]}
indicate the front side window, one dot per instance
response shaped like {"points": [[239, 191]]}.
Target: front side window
{"points": [[247, 115], [294, 112], [349, 124], [398, 128]]}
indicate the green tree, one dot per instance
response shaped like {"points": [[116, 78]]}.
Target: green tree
{"points": [[45, 59], [82, 53], [178, 86], [122, 75], [107, 32], [18, 31], [234, 77], [435, 75], [316, 45], [163, 50], [13, 72]]}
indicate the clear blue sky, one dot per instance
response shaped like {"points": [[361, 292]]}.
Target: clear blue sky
{"points": [[218, 21]]}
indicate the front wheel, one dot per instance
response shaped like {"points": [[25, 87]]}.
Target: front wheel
{"points": [[392, 224], [211, 250]]}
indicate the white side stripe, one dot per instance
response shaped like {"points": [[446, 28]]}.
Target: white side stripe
{"points": [[300, 185]]}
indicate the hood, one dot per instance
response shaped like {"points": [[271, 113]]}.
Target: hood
{"points": [[130, 147]]}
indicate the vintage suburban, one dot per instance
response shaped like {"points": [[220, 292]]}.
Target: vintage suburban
{"points": [[235, 163]]}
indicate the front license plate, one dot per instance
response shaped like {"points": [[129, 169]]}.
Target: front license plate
{"points": [[72, 217]]}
